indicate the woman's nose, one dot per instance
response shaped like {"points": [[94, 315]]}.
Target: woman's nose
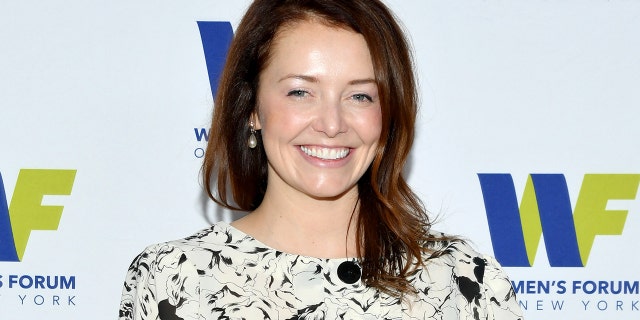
{"points": [[330, 118]]}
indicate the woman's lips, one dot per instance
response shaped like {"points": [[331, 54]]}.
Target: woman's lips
{"points": [[326, 153]]}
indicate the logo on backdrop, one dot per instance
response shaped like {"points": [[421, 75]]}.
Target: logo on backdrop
{"points": [[545, 209], [216, 37], [26, 212]]}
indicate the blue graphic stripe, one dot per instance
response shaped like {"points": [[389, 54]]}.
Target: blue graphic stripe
{"points": [[556, 217], [216, 38], [503, 215], [7, 245]]}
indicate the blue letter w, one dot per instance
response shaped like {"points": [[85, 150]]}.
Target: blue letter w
{"points": [[216, 38], [545, 208]]}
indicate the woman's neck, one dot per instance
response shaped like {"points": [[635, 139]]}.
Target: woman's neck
{"points": [[299, 224]]}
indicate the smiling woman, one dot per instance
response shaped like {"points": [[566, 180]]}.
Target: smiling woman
{"points": [[313, 123]]}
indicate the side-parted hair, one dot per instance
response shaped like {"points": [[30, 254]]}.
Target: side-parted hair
{"points": [[392, 224]]}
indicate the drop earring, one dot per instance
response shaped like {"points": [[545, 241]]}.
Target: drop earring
{"points": [[253, 141]]}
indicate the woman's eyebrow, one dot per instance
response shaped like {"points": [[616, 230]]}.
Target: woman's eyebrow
{"points": [[299, 76], [362, 81], [315, 79]]}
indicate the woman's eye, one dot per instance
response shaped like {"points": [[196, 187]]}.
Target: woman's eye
{"points": [[361, 97], [297, 93]]}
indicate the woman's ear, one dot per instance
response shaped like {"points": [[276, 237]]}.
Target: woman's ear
{"points": [[256, 120]]}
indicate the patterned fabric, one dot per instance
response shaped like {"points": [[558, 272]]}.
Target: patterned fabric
{"points": [[223, 273]]}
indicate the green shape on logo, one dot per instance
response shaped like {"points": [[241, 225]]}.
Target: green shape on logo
{"points": [[591, 216], [26, 210]]}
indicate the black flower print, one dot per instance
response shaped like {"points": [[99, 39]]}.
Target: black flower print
{"points": [[222, 273]]}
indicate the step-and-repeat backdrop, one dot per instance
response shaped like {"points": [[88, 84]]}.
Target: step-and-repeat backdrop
{"points": [[528, 143]]}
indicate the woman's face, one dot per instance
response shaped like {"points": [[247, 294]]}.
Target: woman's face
{"points": [[319, 110]]}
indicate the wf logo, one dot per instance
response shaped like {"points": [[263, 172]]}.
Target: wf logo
{"points": [[545, 209], [26, 211]]}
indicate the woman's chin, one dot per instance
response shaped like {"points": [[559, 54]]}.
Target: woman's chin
{"points": [[329, 193]]}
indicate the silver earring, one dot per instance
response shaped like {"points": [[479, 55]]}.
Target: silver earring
{"points": [[253, 141]]}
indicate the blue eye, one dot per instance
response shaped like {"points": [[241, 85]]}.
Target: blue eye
{"points": [[361, 97], [297, 93]]}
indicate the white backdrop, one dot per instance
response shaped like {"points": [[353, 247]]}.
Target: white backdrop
{"points": [[114, 90]]}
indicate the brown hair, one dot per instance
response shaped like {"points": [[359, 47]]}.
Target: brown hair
{"points": [[392, 224]]}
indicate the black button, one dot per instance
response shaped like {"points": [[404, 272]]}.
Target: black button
{"points": [[349, 272]]}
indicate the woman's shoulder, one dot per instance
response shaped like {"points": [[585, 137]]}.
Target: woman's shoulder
{"points": [[198, 248], [455, 249], [478, 279], [457, 256], [166, 274], [452, 258]]}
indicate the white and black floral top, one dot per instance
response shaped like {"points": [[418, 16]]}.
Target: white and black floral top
{"points": [[223, 273]]}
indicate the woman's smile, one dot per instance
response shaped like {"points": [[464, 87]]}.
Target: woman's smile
{"points": [[325, 153]]}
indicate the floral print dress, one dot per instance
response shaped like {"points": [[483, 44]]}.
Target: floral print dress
{"points": [[223, 273]]}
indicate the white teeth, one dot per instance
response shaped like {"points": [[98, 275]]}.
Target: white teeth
{"points": [[326, 153]]}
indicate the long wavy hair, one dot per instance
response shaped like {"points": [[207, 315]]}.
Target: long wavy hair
{"points": [[392, 224]]}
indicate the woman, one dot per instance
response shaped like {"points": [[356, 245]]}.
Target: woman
{"points": [[314, 118]]}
